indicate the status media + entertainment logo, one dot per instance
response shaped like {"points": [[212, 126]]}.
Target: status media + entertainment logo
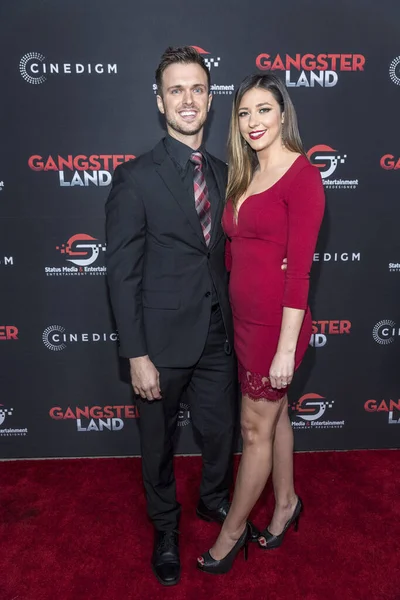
{"points": [[9, 431], [309, 409], [81, 251], [212, 62], [327, 159]]}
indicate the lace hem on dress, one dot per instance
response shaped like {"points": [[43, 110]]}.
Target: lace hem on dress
{"points": [[258, 387]]}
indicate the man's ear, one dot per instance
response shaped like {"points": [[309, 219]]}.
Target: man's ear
{"points": [[160, 104], [209, 102]]}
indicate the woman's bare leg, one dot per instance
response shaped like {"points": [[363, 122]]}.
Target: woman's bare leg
{"points": [[258, 422], [282, 472]]}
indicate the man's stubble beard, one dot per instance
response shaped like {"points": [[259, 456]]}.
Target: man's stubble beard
{"points": [[174, 125]]}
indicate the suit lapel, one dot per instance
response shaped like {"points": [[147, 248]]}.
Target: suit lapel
{"points": [[221, 184], [167, 171]]}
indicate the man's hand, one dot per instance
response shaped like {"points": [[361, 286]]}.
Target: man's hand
{"points": [[284, 264], [145, 378]]}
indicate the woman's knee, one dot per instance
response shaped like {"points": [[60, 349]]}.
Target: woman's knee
{"points": [[255, 430]]}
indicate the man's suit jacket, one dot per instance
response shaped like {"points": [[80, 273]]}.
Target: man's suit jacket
{"points": [[160, 270]]}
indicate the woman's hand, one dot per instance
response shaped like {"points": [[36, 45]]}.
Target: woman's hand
{"points": [[282, 369]]}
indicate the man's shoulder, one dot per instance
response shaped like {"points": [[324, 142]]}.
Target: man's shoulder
{"points": [[138, 164], [217, 161], [218, 164]]}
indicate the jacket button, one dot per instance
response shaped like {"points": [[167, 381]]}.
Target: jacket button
{"points": [[207, 294], [208, 255]]}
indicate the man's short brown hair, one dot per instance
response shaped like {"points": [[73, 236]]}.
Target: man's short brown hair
{"points": [[184, 55]]}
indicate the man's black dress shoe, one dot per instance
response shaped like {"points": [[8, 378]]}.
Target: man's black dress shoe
{"points": [[219, 516], [165, 560]]}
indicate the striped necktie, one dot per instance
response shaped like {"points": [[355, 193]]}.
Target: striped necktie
{"points": [[202, 203]]}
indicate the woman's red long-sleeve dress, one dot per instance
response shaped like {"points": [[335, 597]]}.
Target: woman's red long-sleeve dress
{"points": [[282, 221]]}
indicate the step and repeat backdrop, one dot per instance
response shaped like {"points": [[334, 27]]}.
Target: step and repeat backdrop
{"points": [[78, 98]]}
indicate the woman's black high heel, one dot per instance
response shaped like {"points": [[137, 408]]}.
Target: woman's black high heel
{"points": [[274, 541], [208, 564]]}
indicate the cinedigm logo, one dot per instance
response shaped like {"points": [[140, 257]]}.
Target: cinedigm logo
{"points": [[385, 332], [35, 69], [394, 70]]}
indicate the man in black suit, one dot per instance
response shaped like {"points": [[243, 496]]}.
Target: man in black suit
{"points": [[169, 293]]}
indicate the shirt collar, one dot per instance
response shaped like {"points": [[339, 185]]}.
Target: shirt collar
{"points": [[180, 152]]}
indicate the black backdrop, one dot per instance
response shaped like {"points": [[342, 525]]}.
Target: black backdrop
{"points": [[78, 98]]}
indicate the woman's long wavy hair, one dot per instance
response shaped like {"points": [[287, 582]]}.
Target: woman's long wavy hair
{"points": [[242, 159]]}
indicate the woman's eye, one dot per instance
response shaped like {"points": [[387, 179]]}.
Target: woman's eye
{"points": [[243, 113], [264, 110]]}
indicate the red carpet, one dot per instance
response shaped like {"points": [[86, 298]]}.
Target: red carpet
{"points": [[76, 530]]}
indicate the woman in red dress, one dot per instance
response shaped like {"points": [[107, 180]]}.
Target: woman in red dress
{"points": [[274, 210]]}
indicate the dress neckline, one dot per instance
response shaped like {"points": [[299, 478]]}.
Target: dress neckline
{"points": [[270, 187]]}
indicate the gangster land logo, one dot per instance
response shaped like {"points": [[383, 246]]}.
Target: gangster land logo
{"points": [[311, 70], [80, 169]]}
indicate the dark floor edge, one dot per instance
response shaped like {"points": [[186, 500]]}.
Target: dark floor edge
{"points": [[183, 455]]}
